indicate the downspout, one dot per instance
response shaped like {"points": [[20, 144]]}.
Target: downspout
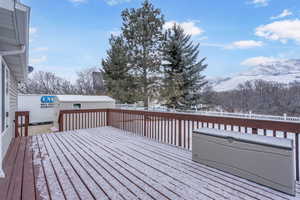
{"points": [[15, 52]]}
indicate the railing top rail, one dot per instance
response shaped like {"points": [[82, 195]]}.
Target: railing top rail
{"points": [[22, 112], [83, 111]]}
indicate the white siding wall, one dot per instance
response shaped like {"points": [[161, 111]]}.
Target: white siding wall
{"points": [[8, 134], [13, 96], [7, 4]]}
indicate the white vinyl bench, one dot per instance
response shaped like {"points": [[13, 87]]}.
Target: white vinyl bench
{"points": [[265, 160]]}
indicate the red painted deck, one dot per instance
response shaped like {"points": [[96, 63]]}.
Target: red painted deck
{"points": [[107, 163]]}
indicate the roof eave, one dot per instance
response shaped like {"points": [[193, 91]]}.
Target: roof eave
{"points": [[23, 37]]}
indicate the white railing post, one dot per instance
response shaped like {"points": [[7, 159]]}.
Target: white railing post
{"points": [[284, 116]]}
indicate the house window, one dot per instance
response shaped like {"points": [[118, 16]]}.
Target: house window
{"points": [[77, 106], [4, 97]]}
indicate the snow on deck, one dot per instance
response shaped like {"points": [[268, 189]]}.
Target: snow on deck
{"points": [[107, 163]]}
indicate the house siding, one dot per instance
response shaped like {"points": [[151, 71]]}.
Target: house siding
{"points": [[8, 134]]}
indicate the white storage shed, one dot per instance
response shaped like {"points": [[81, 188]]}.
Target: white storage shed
{"points": [[70, 102], [73, 102], [40, 106]]}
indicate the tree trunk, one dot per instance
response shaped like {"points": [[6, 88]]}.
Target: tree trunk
{"points": [[146, 102], [145, 85]]}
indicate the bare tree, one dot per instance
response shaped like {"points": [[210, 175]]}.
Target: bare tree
{"points": [[263, 98], [85, 81], [89, 82], [46, 83]]}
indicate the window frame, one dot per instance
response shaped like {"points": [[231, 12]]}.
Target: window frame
{"points": [[5, 84], [75, 106]]}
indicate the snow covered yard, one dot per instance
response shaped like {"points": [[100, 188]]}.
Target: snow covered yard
{"points": [[107, 163]]}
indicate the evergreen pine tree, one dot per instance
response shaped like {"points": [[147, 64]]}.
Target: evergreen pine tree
{"points": [[182, 70], [116, 72], [142, 29]]}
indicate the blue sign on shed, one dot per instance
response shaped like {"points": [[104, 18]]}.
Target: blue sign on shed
{"points": [[47, 99]]}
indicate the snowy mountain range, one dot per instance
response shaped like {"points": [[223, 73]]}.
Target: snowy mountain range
{"points": [[284, 71]]}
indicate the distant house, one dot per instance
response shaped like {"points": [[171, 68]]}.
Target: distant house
{"points": [[14, 38]]}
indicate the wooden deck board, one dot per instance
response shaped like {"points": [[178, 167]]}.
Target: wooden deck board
{"points": [[107, 172], [19, 172], [107, 163], [128, 179], [8, 167], [28, 189], [159, 172], [79, 184], [64, 175], [14, 190], [93, 183]]}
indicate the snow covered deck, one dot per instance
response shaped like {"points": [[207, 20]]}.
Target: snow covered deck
{"points": [[107, 163]]}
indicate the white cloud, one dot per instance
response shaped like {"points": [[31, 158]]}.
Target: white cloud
{"points": [[280, 30], [190, 27], [116, 2], [261, 3], [259, 60], [40, 49], [32, 30], [78, 1], [244, 44], [38, 60], [213, 45], [285, 13]]}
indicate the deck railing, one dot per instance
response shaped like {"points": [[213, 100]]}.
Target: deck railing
{"points": [[21, 123], [176, 128], [81, 119], [249, 115]]}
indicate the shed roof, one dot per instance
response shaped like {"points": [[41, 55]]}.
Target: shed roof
{"points": [[83, 98]]}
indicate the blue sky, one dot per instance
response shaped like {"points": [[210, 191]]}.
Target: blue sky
{"points": [[235, 35]]}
